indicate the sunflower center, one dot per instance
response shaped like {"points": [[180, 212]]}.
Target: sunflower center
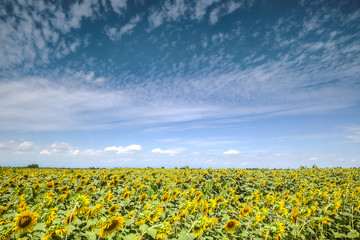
{"points": [[25, 221], [112, 225], [231, 224]]}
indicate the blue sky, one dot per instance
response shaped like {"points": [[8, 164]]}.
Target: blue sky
{"points": [[207, 83]]}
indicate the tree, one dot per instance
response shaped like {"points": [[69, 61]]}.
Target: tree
{"points": [[33, 166]]}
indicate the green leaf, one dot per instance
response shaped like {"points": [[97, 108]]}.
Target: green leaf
{"points": [[339, 235], [131, 236], [353, 234], [152, 232], [184, 236], [143, 228], [129, 221]]}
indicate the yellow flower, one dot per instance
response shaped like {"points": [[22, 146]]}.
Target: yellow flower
{"points": [[174, 219], [143, 197], [321, 221], [79, 189], [57, 231], [109, 196], [50, 185], [50, 217], [2, 210], [126, 195], [163, 230], [113, 209], [231, 225], [89, 213], [246, 210], [7, 234], [70, 218], [130, 215], [259, 218], [335, 207], [294, 215], [112, 225], [4, 221], [25, 221], [275, 230], [64, 188]]}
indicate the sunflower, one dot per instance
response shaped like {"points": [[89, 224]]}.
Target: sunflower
{"points": [[126, 194], [112, 225], [57, 231], [130, 215], [2, 210], [79, 189], [51, 215], [246, 210], [113, 209], [7, 234], [89, 213], [4, 221], [64, 188], [231, 225], [174, 219], [259, 218], [25, 221], [143, 197], [50, 185], [109, 196], [70, 218], [200, 227], [163, 230], [321, 221]]}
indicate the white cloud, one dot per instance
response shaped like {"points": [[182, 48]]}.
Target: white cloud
{"points": [[353, 133], [63, 148], [155, 19], [10, 145], [170, 151], [201, 6], [127, 29], [33, 33], [89, 77], [45, 152], [118, 6], [122, 150], [314, 159], [214, 15], [231, 152], [25, 147]]}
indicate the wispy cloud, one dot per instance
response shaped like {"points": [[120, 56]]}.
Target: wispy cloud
{"points": [[353, 133], [170, 151], [17, 148], [116, 33], [121, 150], [66, 148], [118, 6]]}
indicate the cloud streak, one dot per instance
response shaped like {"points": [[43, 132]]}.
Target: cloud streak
{"points": [[170, 151]]}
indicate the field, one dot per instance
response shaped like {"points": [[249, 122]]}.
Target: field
{"points": [[148, 203]]}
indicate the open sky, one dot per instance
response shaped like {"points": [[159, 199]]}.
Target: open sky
{"points": [[205, 83]]}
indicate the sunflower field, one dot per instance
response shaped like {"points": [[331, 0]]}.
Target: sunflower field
{"points": [[184, 204]]}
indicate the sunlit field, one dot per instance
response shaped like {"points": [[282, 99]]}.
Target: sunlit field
{"points": [[148, 203]]}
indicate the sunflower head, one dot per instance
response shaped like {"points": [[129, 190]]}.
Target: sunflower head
{"points": [[112, 210], [70, 218], [163, 230], [55, 232], [231, 225], [112, 225], [25, 221]]}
